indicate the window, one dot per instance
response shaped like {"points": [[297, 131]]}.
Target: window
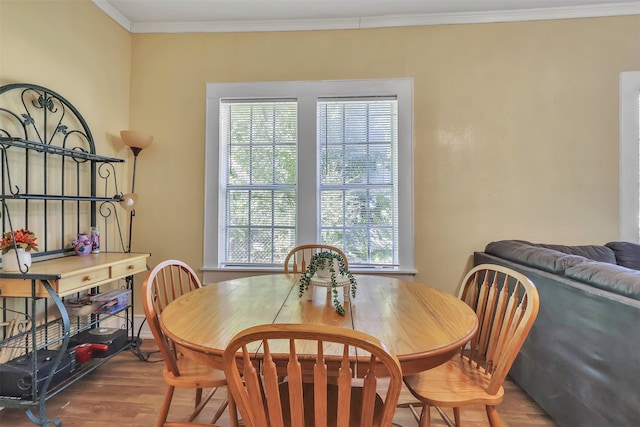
{"points": [[357, 148], [299, 162], [258, 180], [630, 156]]}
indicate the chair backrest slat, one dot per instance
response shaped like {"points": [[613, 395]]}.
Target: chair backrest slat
{"points": [[320, 382], [271, 385], [294, 374], [369, 396], [501, 307], [253, 387], [345, 374], [487, 310]]}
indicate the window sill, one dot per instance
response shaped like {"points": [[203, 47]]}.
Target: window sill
{"points": [[219, 274]]}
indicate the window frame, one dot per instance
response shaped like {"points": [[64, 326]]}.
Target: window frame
{"points": [[307, 94], [629, 227]]}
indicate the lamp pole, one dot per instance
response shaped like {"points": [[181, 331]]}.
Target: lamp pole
{"points": [[137, 141], [136, 151]]}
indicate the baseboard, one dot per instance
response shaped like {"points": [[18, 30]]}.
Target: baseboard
{"points": [[145, 332]]}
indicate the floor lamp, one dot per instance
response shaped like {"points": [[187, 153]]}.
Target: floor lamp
{"points": [[137, 141]]}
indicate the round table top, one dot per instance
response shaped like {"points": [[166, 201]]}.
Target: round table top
{"points": [[422, 325]]}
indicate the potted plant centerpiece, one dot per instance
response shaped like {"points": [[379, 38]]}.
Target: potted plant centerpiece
{"points": [[323, 264], [16, 246]]}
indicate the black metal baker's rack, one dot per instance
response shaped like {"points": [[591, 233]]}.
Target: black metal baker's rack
{"points": [[53, 183]]}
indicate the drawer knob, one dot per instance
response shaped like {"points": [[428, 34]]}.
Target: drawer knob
{"points": [[86, 278], [131, 267]]}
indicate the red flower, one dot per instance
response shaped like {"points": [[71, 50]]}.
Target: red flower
{"points": [[24, 239]]}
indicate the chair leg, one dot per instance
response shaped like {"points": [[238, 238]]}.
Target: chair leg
{"points": [[166, 403], [233, 411], [198, 396], [219, 412], [456, 416], [425, 416], [201, 403], [494, 417]]}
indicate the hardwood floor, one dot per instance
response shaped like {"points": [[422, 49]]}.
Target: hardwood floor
{"points": [[127, 391]]}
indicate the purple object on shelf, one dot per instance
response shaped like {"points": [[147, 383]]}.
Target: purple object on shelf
{"points": [[82, 245]]}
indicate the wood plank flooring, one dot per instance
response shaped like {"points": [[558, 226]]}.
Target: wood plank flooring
{"points": [[127, 391]]}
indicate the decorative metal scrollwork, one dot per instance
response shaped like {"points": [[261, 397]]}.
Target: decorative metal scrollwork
{"points": [[51, 179]]}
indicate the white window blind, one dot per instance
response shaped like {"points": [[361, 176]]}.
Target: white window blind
{"points": [[259, 168], [357, 149]]}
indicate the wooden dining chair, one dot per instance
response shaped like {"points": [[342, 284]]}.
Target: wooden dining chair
{"points": [[164, 283], [298, 258], [320, 387], [506, 303]]}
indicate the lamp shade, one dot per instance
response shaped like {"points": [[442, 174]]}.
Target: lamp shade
{"points": [[135, 139], [129, 201]]}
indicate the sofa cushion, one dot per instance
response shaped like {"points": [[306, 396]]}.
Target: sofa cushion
{"points": [[534, 256], [600, 253], [627, 254], [610, 277]]}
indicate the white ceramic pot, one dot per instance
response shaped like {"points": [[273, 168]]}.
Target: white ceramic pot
{"points": [[12, 263], [325, 273]]}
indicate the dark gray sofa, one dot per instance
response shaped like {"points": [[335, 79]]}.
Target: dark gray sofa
{"points": [[581, 360]]}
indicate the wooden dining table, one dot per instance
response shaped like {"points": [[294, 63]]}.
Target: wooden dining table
{"points": [[422, 325]]}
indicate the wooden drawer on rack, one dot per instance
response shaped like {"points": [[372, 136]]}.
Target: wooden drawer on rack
{"points": [[64, 286], [129, 268], [81, 281], [20, 288]]}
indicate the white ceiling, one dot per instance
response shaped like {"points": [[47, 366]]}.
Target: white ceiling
{"points": [[175, 16]]}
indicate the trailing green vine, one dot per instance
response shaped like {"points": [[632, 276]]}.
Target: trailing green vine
{"points": [[326, 259]]}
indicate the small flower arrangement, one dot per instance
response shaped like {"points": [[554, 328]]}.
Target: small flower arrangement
{"points": [[20, 239], [325, 260]]}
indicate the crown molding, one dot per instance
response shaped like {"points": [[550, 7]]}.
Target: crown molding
{"points": [[552, 13], [106, 7], [246, 26]]}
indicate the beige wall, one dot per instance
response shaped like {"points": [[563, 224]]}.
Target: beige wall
{"points": [[73, 48], [516, 124]]}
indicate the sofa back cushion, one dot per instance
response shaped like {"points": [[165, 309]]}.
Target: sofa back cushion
{"points": [[627, 254], [533, 255], [600, 253], [610, 277]]}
